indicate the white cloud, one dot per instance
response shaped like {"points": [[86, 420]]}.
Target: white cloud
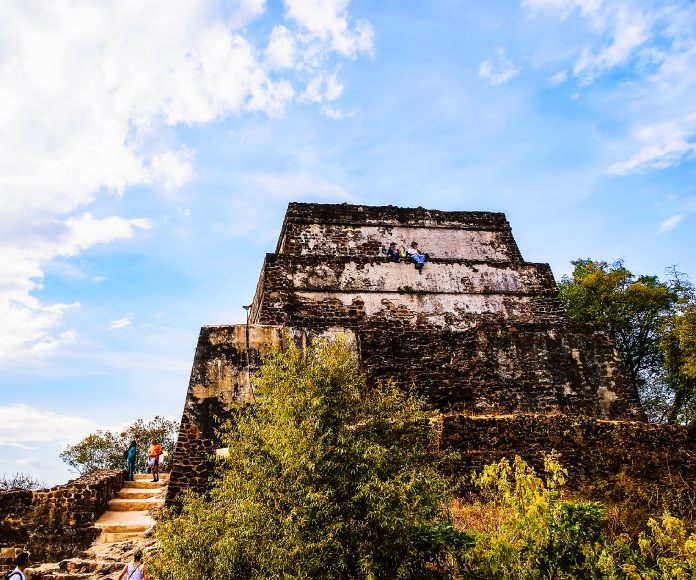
{"points": [[560, 77], [630, 31], [244, 11], [337, 114], [328, 22], [664, 144], [622, 29], [321, 27], [281, 51], [498, 71], [323, 88], [83, 107], [171, 169], [28, 324], [670, 223], [565, 7], [121, 323], [21, 424]]}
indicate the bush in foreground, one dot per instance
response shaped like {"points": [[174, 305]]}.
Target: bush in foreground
{"points": [[325, 478], [524, 529]]}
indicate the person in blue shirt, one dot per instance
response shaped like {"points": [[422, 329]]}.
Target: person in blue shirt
{"points": [[393, 254], [417, 257], [131, 461]]}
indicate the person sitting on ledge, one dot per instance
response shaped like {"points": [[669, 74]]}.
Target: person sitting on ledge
{"points": [[418, 257], [393, 254]]}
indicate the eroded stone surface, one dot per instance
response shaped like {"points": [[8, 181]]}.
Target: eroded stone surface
{"points": [[478, 332]]}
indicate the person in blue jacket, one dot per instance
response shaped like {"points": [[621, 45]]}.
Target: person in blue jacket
{"points": [[130, 459], [392, 253]]}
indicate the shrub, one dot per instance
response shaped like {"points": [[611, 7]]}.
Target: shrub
{"points": [[531, 532], [326, 477]]}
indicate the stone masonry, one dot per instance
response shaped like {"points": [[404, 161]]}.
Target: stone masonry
{"points": [[479, 332], [58, 522]]}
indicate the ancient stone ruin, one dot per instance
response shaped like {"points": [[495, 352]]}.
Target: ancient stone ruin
{"points": [[479, 332]]}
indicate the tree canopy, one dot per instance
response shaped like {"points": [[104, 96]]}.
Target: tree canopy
{"points": [[652, 322], [104, 449]]}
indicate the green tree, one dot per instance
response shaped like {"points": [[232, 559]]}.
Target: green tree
{"points": [[326, 477], [678, 344], [642, 314], [104, 449]]}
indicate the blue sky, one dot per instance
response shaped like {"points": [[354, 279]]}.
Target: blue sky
{"points": [[148, 151]]}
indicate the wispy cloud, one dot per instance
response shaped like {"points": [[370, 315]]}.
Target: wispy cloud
{"points": [[118, 324], [652, 45], [670, 223], [21, 424], [560, 77], [337, 114], [631, 29], [664, 144], [498, 71]]}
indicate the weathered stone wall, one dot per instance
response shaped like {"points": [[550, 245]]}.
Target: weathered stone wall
{"points": [[350, 230], [476, 335], [58, 522], [479, 331], [591, 449], [220, 381], [320, 291], [314, 273], [495, 369]]}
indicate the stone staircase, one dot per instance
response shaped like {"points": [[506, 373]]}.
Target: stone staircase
{"points": [[124, 527], [129, 514]]}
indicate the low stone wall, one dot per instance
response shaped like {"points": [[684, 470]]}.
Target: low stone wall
{"points": [[57, 523], [592, 450]]}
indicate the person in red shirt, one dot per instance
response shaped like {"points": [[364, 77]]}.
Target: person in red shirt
{"points": [[154, 453]]}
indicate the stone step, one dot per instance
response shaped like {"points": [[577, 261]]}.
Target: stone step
{"points": [[148, 477], [114, 537], [125, 521], [130, 505], [77, 565], [143, 484], [136, 493], [124, 528]]}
